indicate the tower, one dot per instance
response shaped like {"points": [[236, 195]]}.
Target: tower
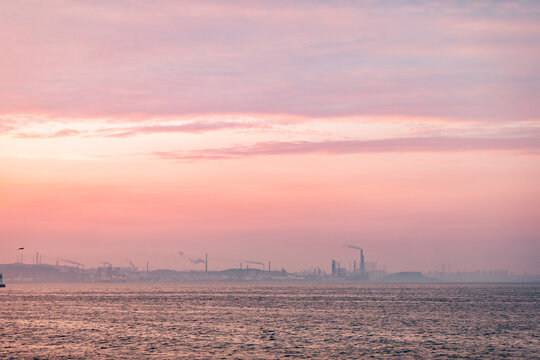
{"points": [[206, 263], [362, 266]]}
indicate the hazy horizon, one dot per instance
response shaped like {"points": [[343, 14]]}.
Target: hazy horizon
{"points": [[271, 131]]}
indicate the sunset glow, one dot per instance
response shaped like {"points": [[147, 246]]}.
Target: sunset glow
{"points": [[249, 130]]}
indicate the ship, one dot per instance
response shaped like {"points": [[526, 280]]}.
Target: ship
{"points": [[1, 283]]}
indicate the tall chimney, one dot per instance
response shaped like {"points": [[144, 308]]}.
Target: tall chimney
{"points": [[269, 266], [206, 264], [146, 265], [362, 268]]}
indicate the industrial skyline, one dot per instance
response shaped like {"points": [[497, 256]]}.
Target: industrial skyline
{"points": [[348, 267], [73, 272]]}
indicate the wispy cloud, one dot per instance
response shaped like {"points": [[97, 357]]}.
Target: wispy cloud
{"points": [[461, 60], [128, 131], [4, 128], [193, 128], [338, 147], [56, 134]]}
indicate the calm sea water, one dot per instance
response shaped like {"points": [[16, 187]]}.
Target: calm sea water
{"points": [[261, 321]]}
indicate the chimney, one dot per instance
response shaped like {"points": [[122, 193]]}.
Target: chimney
{"points": [[206, 264], [362, 267]]}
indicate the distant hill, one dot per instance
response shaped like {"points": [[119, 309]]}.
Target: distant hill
{"points": [[25, 273], [408, 277]]}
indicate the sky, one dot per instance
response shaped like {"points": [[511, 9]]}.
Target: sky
{"points": [[278, 131]]}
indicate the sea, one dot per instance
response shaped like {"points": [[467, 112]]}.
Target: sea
{"points": [[269, 321]]}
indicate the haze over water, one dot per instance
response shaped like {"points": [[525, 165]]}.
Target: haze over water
{"points": [[269, 321]]}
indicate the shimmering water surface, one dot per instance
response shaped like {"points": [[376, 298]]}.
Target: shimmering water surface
{"points": [[262, 321]]}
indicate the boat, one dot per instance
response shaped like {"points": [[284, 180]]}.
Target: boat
{"points": [[1, 283]]}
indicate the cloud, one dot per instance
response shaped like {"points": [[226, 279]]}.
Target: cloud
{"points": [[339, 147], [56, 134], [128, 131], [4, 128], [462, 60], [193, 127]]}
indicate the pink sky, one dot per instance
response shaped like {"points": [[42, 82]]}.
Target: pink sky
{"points": [[271, 131]]}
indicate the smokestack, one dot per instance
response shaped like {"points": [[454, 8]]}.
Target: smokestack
{"points": [[269, 266], [206, 263], [37, 257], [354, 266], [146, 265], [362, 267]]}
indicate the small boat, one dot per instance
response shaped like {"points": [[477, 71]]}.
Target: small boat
{"points": [[1, 283]]}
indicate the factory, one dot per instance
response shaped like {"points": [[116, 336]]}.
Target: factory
{"points": [[47, 269], [358, 271], [64, 270]]}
